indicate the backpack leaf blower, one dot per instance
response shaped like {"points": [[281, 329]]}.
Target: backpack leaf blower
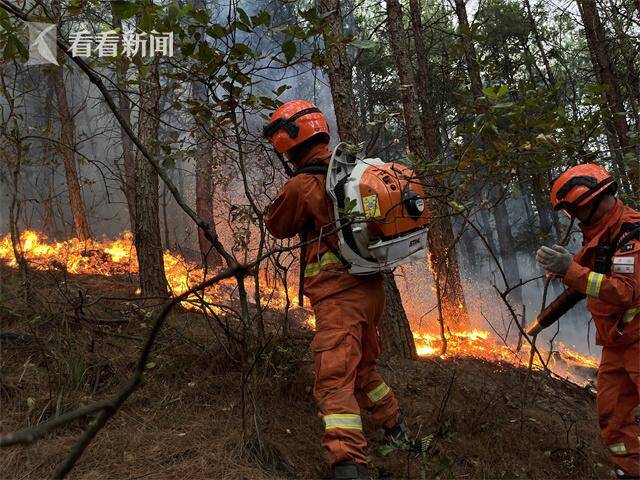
{"points": [[380, 211]]}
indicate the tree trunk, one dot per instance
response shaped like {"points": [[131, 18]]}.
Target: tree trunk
{"points": [[500, 212], [339, 70], [551, 80], [487, 230], [443, 255], [473, 66], [165, 218], [525, 192], [604, 70], [68, 152], [49, 158], [396, 335], [153, 282], [423, 87], [470, 250], [628, 49], [506, 241], [542, 206], [128, 158], [204, 179], [616, 155], [204, 172]]}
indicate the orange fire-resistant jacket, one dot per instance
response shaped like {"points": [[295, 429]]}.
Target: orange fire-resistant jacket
{"points": [[613, 299], [303, 204], [348, 312]]}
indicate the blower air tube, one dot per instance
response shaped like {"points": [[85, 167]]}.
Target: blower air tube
{"points": [[556, 309]]}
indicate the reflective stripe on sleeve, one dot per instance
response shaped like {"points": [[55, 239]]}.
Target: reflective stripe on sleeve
{"points": [[630, 314], [379, 392], [593, 284], [348, 421], [618, 449], [312, 269]]}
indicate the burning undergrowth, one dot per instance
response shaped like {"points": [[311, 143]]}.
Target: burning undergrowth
{"points": [[117, 257]]}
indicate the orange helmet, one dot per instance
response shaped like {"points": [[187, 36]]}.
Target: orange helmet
{"points": [[579, 185], [293, 123]]}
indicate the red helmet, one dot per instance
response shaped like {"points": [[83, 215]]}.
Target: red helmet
{"points": [[293, 123], [579, 185]]}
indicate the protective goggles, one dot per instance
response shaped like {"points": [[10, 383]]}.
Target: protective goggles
{"points": [[287, 124]]}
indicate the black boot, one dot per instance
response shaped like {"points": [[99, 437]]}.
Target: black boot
{"points": [[620, 474], [398, 438], [350, 471]]}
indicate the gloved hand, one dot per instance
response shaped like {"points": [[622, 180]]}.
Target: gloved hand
{"points": [[555, 259]]}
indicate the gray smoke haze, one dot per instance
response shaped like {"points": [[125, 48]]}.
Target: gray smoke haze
{"points": [[100, 158]]}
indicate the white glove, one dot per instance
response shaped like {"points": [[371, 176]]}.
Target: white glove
{"points": [[555, 259]]}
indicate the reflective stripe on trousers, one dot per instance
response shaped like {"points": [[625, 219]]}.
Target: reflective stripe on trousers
{"points": [[348, 421], [379, 392], [630, 314], [312, 269], [594, 282], [618, 449]]}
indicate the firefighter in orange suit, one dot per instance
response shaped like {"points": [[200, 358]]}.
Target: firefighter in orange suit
{"points": [[607, 270], [347, 308]]}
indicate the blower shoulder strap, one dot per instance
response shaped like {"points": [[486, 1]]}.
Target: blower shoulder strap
{"points": [[311, 169], [314, 169], [606, 249], [628, 231]]}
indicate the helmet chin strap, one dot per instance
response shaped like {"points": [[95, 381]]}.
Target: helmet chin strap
{"points": [[285, 164]]}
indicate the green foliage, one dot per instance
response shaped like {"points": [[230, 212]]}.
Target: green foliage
{"points": [[13, 39], [364, 44], [351, 207], [289, 50], [123, 9]]}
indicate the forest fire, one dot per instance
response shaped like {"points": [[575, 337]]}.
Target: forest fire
{"points": [[564, 361], [117, 257]]}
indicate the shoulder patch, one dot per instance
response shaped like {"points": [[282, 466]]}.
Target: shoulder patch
{"points": [[626, 264]]}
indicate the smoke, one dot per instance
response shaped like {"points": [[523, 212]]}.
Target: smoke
{"points": [[44, 198]]}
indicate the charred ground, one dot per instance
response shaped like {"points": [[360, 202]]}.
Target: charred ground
{"points": [[187, 419]]}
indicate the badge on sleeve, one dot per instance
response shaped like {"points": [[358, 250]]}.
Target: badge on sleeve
{"points": [[624, 264]]}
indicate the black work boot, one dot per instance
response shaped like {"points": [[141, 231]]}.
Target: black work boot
{"points": [[398, 438], [350, 471], [620, 474]]}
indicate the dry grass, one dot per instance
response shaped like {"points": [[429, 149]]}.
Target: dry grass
{"points": [[185, 422]]}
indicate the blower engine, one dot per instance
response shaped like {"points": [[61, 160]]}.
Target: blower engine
{"points": [[381, 210]]}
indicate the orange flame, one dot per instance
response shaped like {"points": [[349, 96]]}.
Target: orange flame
{"points": [[117, 257]]}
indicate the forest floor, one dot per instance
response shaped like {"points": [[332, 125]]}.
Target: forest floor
{"points": [[186, 419]]}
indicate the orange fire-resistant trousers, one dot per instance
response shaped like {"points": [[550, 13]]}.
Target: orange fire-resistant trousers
{"points": [[345, 349], [618, 397]]}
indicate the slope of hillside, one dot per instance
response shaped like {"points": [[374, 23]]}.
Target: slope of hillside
{"points": [[186, 420]]}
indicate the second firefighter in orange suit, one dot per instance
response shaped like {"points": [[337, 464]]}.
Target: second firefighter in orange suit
{"points": [[347, 308], [611, 232]]}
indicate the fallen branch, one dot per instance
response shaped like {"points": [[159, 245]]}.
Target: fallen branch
{"points": [[31, 435]]}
